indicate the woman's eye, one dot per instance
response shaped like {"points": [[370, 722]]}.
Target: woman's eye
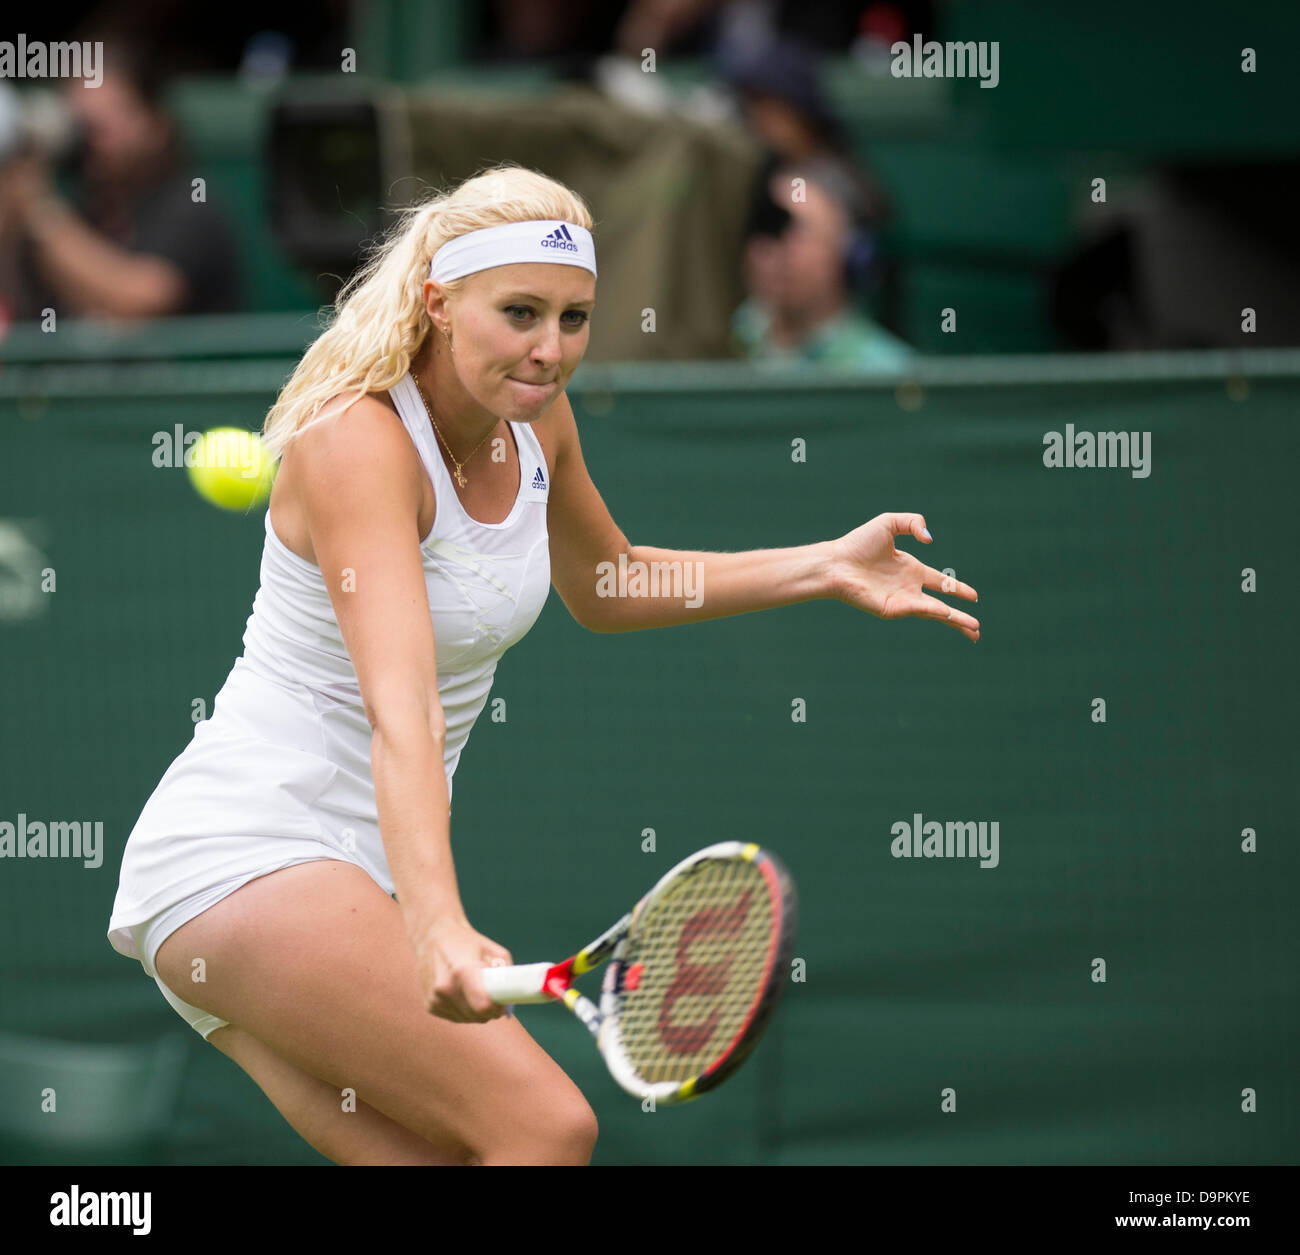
{"points": [[581, 315]]}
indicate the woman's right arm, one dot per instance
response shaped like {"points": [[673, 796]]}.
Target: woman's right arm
{"points": [[360, 494]]}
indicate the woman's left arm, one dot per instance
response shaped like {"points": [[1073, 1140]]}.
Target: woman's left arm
{"points": [[661, 587], [610, 585]]}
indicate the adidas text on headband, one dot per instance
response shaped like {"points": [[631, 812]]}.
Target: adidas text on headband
{"points": [[553, 241]]}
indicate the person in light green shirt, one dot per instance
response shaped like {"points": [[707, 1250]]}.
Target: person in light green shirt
{"points": [[799, 307], [846, 339]]}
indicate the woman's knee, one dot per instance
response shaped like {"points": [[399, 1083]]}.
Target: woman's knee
{"points": [[563, 1133], [576, 1132]]}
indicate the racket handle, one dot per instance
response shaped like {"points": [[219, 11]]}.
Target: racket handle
{"points": [[511, 985]]}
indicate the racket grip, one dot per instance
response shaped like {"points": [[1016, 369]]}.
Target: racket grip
{"points": [[511, 985]]}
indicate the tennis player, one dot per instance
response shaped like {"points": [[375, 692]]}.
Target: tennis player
{"points": [[289, 884]]}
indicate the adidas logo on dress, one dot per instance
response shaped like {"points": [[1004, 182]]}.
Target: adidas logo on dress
{"points": [[539, 480]]}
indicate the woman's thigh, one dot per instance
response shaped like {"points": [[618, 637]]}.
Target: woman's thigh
{"points": [[345, 1131], [314, 962]]}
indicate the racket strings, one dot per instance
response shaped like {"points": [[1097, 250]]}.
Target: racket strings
{"points": [[704, 946]]}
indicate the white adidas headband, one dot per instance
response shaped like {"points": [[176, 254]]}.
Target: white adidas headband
{"points": [[556, 242]]}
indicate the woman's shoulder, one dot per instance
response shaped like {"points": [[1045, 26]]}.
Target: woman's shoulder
{"points": [[346, 431], [385, 399], [364, 441], [347, 415], [341, 402]]}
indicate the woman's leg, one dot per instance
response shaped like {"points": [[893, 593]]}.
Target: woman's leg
{"points": [[313, 962], [317, 1111]]}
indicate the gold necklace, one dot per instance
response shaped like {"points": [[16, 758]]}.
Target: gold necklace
{"points": [[460, 479]]}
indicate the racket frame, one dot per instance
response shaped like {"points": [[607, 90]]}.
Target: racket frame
{"points": [[553, 982]]}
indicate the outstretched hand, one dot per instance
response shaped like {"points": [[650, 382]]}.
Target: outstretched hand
{"points": [[872, 575]]}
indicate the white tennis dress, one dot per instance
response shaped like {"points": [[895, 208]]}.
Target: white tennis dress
{"points": [[280, 774]]}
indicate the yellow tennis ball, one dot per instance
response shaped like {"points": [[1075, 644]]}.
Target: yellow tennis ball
{"points": [[229, 468]]}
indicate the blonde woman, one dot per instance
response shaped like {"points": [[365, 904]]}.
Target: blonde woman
{"points": [[290, 884]]}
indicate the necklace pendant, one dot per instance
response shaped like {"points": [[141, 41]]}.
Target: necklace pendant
{"points": [[460, 479]]}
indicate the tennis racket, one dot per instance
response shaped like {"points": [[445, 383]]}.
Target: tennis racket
{"points": [[696, 969]]}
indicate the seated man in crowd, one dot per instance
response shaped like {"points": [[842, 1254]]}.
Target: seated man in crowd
{"points": [[800, 304]]}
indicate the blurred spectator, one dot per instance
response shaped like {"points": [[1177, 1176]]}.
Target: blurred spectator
{"points": [[694, 27], [566, 34], [570, 34], [797, 277], [267, 58], [778, 86], [135, 244], [835, 231]]}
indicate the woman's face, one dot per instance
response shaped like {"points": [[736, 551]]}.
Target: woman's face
{"points": [[518, 334]]}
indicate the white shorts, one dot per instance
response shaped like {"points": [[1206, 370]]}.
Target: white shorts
{"points": [[147, 938], [276, 777]]}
